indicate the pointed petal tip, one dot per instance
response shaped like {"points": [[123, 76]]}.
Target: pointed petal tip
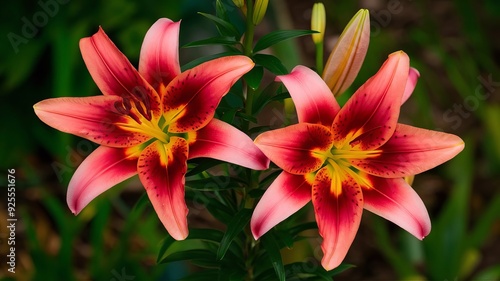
{"points": [[180, 236], [329, 264]]}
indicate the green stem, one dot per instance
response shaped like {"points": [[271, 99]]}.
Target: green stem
{"points": [[249, 102], [247, 49], [319, 58], [249, 33]]}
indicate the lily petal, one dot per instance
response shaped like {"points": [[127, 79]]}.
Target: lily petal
{"points": [[338, 215], [285, 196], [413, 76], [411, 151], [102, 169], [297, 149], [348, 55], [115, 75], [94, 118], [370, 116], [396, 201], [159, 60], [161, 170], [222, 141], [191, 98], [312, 98]]}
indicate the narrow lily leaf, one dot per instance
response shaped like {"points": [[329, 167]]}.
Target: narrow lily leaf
{"points": [[271, 63], [275, 37], [197, 254], [294, 231], [204, 164], [215, 183], [201, 60], [485, 223], [211, 235], [206, 200], [246, 117], [225, 28], [220, 10], [267, 95], [228, 115], [254, 76], [235, 226], [226, 41], [203, 275], [273, 250]]}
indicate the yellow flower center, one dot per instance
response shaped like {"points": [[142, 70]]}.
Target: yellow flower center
{"points": [[340, 168]]}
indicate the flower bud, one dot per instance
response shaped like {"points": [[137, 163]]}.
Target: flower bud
{"points": [[318, 19], [259, 10], [239, 3], [348, 53]]}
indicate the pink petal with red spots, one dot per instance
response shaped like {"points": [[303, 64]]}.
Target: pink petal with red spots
{"points": [[192, 97], [159, 60], [115, 75], [370, 116], [297, 149], [338, 215], [285, 196], [94, 118], [411, 151], [222, 141], [413, 76], [313, 99], [161, 170], [101, 170], [396, 201]]}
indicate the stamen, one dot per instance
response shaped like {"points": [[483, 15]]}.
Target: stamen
{"points": [[142, 102]]}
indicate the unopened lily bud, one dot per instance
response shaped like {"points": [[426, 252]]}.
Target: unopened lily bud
{"points": [[239, 3], [409, 179], [259, 11], [318, 19], [348, 53]]}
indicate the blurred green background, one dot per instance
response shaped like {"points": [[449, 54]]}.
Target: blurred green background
{"points": [[454, 44]]}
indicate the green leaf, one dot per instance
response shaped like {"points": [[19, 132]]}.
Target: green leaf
{"points": [[271, 63], [491, 273], [204, 164], [277, 36], [220, 10], [273, 250], [196, 254], [226, 41], [294, 231], [206, 200], [246, 117], [210, 235], [228, 115], [484, 224], [203, 275], [235, 226], [254, 76], [215, 183], [201, 60], [266, 96], [225, 28]]}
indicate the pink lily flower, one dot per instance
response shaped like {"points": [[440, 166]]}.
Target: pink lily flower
{"points": [[352, 158], [150, 122]]}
